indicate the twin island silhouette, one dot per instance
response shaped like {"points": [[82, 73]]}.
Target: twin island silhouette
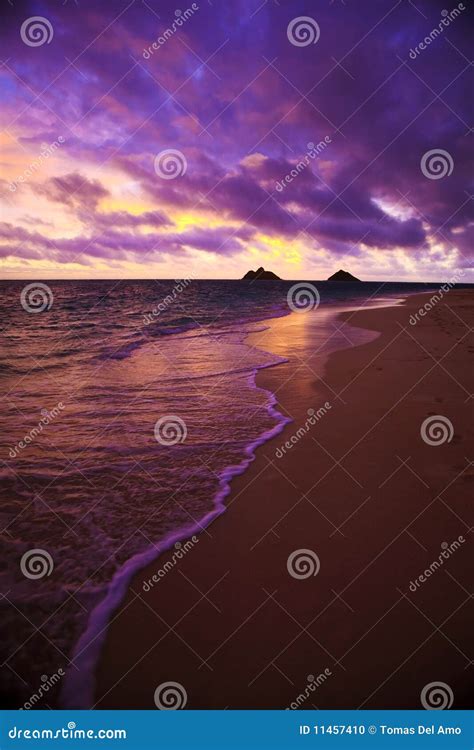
{"points": [[261, 275]]}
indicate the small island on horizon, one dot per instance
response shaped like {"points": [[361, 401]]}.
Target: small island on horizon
{"points": [[342, 276], [261, 275]]}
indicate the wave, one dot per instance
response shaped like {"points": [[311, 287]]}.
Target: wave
{"points": [[79, 684]]}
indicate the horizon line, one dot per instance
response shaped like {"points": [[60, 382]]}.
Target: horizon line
{"points": [[184, 278]]}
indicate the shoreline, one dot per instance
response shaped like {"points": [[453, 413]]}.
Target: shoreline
{"points": [[78, 686], [271, 380], [87, 650]]}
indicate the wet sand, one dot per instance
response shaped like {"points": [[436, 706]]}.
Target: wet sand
{"points": [[363, 492]]}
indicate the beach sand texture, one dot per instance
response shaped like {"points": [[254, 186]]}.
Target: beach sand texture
{"points": [[361, 490]]}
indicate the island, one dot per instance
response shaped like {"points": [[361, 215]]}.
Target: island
{"points": [[342, 276], [261, 275]]}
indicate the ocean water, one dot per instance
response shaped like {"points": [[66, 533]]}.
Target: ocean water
{"points": [[127, 409]]}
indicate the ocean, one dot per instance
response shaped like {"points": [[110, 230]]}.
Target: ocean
{"points": [[128, 406]]}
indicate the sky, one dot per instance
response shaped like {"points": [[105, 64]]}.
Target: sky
{"points": [[144, 139]]}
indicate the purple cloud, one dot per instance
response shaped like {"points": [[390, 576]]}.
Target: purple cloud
{"points": [[228, 85]]}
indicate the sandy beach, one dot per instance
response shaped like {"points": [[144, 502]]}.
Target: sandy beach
{"points": [[373, 502]]}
